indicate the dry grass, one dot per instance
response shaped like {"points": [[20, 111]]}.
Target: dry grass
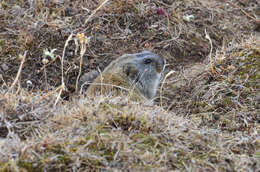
{"points": [[206, 117]]}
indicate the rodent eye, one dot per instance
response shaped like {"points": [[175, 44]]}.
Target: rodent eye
{"points": [[147, 61]]}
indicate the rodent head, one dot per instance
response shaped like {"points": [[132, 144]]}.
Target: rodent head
{"points": [[143, 70]]}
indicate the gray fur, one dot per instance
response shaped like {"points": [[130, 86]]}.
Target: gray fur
{"points": [[143, 70], [147, 78], [86, 79]]}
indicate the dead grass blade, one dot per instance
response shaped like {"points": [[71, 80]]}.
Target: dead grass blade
{"points": [[94, 12], [19, 71]]}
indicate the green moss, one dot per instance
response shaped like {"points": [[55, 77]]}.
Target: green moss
{"points": [[57, 149], [245, 92], [227, 101], [6, 167], [4, 5], [250, 69], [209, 108], [143, 141], [22, 166], [227, 122], [64, 159], [27, 165], [202, 104], [203, 156], [257, 155]]}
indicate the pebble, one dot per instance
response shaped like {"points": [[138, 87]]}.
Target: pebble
{"points": [[4, 67]]}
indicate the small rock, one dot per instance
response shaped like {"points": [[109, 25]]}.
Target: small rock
{"points": [[4, 67], [29, 83], [188, 18]]}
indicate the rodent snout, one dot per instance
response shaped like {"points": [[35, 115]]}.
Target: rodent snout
{"points": [[159, 64]]}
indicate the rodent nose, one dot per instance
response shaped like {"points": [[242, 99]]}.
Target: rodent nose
{"points": [[159, 63]]}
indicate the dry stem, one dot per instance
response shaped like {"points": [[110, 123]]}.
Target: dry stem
{"points": [[19, 71], [94, 12]]}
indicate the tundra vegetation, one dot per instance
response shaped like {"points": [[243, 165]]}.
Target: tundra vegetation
{"points": [[206, 116]]}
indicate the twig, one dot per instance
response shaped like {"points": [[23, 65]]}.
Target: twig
{"points": [[167, 75], [94, 12], [44, 66], [210, 53], [19, 71], [58, 97], [62, 87], [83, 49], [211, 45], [80, 69], [52, 92], [62, 58]]}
